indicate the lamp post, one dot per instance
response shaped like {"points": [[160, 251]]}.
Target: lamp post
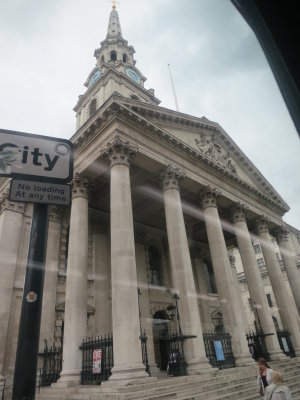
{"points": [[139, 294], [176, 298], [143, 337]]}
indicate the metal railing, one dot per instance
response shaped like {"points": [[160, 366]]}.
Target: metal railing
{"points": [[218, 349], [177, 365], [97, 359], [52, 364], [6, 386], [257, 345], [144, 338]]}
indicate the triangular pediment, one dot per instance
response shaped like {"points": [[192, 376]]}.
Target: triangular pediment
{"points": [[211, 141], [198, 138]]}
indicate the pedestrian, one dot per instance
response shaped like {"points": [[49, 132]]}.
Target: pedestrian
{"points": [[277, 391], [264, 378]]}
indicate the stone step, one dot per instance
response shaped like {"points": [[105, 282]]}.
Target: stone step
{"points": [[230, 384]]}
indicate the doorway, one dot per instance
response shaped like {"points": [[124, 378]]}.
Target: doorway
{"points": [[160, 324]]}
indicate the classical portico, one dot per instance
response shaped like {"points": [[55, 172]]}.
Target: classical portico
{"points": [[175, 192]]}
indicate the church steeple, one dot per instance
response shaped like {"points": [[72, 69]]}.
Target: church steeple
{"points": [[114, 26], [115, 73]]}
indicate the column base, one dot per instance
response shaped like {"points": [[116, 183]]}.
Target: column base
{"points": [[68, 379], [197, 367], [154, 370], [277, 355], [128, 375], [297, 351], [244, 360]]}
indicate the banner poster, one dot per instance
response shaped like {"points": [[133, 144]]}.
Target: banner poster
{"points": [[219, 350], [285, 345], [97, 358]]}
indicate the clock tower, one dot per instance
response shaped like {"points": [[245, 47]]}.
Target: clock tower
{"points": [[114, 73]]}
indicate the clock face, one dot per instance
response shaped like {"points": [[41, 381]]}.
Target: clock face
{"points": [[133, 75], [94, 77]]}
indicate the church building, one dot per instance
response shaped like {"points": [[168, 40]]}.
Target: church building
{"points": [[161, 203]]}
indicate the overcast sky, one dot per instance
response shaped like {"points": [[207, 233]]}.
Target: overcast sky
{"points": [[218, 67]]}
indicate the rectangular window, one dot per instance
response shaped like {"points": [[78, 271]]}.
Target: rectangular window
{"points": [[269, 300], [261, 262], [257, 248], [250, 304]]}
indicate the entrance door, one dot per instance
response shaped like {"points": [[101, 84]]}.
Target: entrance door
{"points": [[160, 338]]}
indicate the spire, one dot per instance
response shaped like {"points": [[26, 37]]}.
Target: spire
{"points": [[114, 27]]}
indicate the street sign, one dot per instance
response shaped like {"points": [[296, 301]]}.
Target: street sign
{"points": [[35, 157], [39, 192]]}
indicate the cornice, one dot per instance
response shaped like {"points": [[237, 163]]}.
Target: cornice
{"points": [[114, 109]]}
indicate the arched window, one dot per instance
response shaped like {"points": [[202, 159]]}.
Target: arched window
{"points": [[102, 59], [113, 55], [276, 325], [155, 266], [93, 107], [217, 320], [124, 57]]}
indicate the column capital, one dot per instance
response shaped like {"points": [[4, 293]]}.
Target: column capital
{"points": [[262, 225], [6, 204], [171, 177], [209, 197], [80, 186], [119, 152], [282, 234], [56, 213], [238, 212]]}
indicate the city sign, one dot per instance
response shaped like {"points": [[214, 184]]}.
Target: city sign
{"points": [[35, 157], [39, 192]]}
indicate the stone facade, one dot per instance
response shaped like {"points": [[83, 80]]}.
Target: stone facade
{"points": [[161, 203]]}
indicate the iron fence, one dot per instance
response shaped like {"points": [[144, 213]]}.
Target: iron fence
{"points": [[257, 345], [176, 359], [144, 338], [97, 359], [52, 364], [218, 349], [285, 343]]}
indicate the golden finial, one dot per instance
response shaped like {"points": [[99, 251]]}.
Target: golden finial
{"points": [[114, 4]]}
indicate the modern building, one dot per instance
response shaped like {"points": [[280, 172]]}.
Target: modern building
{"points": [[160, 199]]}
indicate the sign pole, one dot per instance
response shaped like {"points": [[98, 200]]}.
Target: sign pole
{"points": [[30, 319]]}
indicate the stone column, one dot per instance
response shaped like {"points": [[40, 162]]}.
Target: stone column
{"points": [[125, 314], [102, 315], [75, 328], [203, 297], [11, 220], [288, 258], [182, 272], [50, 280], [232, 311], [286, 305], [255, 282]]}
